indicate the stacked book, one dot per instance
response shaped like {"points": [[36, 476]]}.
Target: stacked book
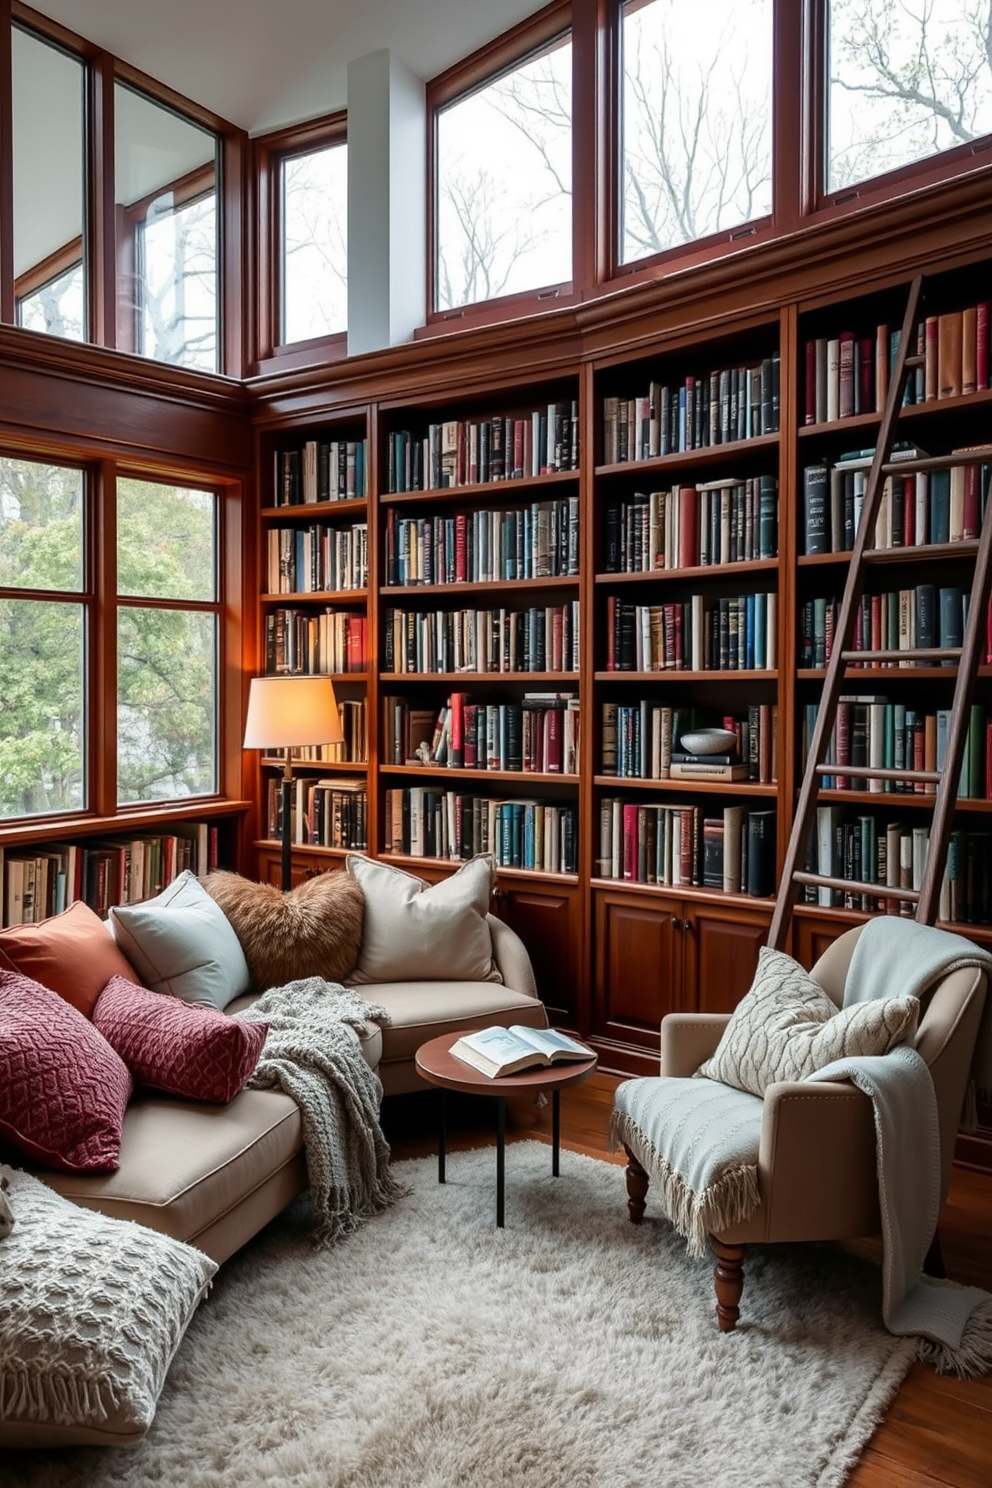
{"points": [[729, 766]]}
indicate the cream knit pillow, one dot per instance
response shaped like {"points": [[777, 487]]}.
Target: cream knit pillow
{"points": [[786, 1026]]}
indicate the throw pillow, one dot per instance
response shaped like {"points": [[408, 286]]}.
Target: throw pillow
{"points": [[73, 953], [415, 931], [313, 931], [786, 1026], [63, 1090], [171, 1045], [182, 943], [91, 1314]]}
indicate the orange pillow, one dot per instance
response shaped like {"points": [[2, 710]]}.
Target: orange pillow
{"points": [[73, 953]]}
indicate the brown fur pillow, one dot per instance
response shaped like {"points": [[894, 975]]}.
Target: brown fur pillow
{"points": [[313, 931]]}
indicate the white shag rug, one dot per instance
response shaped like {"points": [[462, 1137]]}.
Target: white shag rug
{"points": [[429, 1350]]}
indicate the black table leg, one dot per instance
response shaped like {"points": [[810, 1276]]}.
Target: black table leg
{"points": [[500, 1158], [442, 1135], [555, 1129]]}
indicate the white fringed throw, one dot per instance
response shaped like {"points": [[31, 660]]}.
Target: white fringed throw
{"points": [[312, 1053]]}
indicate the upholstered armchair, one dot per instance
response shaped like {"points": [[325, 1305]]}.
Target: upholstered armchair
{"points": [[816, 1164]]}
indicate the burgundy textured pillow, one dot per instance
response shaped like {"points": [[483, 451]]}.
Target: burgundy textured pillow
{"points": [[180, 1047], [63, 1090]]}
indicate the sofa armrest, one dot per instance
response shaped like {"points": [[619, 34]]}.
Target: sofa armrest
{"points": [[816, 1161], [689, 1038], [511, 958]]}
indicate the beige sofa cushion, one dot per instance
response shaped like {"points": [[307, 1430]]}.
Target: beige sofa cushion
{"points": [[415, 930], [425, 1009]]}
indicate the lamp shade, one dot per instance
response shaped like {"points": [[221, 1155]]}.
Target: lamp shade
{"points": [[289, 712]]}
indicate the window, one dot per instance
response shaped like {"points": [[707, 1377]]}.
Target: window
{"points": [[166, 192], [47, 90], [503, 183], [314, 198], [43, 625], [696, 95], [167, 641], [906, 81]]}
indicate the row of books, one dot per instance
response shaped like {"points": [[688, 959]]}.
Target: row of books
{"points": [[38, 883], [326, 812], [892, 854], [705, 633], [678, 846], [924, 617], [723, 521], [309, 643], [955, 348], [936, 506], [537, 541], [543, 638], [642, 741], [353, 748], [477, 451], [427, 822], [711, 408], [539, 734], [319, 559], [870, 730], [323, 470]]}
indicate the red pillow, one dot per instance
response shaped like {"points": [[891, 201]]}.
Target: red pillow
{"points": [[73, 953], [181, 1047], [63, 1090]]}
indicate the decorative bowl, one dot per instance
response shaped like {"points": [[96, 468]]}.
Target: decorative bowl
{"points": [[709, 741]]}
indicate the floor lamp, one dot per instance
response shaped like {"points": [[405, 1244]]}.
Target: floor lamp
{"points": [[290, 713]]}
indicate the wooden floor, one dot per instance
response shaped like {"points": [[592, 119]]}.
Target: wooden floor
{"points": [[938, 1430]]}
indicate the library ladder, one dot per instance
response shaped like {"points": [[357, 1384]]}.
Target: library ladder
{"points": [[966, 657]]}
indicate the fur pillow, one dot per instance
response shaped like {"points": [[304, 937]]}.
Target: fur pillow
{"points": [[313, 931]]}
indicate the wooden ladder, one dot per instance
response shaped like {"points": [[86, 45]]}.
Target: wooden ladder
{"points": [[967, 658]]}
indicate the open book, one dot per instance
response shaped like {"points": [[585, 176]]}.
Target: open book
{"points": [[504, 1051]]}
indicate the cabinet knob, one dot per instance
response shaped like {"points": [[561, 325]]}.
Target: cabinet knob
{"points": [[676, 922]]}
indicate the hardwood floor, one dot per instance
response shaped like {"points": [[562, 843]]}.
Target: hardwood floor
{"points": [[938, 1432]]}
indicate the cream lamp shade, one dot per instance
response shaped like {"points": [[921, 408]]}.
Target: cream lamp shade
{"points": [[289, 712]]}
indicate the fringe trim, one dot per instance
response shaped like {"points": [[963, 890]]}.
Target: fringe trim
{"points": [[731, 1199], [972, 1357], [60, 1395]]}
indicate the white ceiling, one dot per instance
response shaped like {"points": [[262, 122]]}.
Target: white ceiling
{"points": [[262, 64]]}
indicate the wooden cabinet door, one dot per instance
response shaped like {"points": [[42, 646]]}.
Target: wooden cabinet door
{"points": [[720, 955], [638, 968], [548, 921]]}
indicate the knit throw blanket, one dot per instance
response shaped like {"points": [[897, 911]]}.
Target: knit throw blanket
{"points": [[312, 1053]]}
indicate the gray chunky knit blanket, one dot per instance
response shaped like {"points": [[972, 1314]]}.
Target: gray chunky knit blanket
{"points": [[311, 1052]]}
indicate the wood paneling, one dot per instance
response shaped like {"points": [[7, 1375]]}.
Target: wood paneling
{"points": [[548, 921]]}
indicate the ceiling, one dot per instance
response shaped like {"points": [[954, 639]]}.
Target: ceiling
{"points": [[262, 64]]}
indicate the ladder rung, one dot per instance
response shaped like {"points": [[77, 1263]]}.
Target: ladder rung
{"points": [[915, 359], [855, 886], [914, 653], [909, 465], [879, 772]]}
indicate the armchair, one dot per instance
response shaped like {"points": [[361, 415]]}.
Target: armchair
{"points": [[816, 1163]]}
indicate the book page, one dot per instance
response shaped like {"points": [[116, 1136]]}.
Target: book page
{"points": [[549, 1041]]}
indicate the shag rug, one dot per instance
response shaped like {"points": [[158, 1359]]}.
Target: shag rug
{"points": [[430, 1350]]}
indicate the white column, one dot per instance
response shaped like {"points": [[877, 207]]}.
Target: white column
{"points": [[387, 202]]}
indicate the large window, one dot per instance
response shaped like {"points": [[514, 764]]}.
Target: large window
{"points": [[907, 79], [503, 184], [166, 195], [696, 97], [43, 625], [314, 201], [47, 91], [167, 636]]}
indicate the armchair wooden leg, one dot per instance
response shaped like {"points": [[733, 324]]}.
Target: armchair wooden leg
{"points": [[637, 1187], [728, 1280]]}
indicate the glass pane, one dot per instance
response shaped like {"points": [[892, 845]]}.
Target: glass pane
{"points": [[315, 244], [905, 81], [504, 184], [166, 704], [49, 187], [42, 687], [166, 190], [41, 526], [165, 541], [697, 112]]}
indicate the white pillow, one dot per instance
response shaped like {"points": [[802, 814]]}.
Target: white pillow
{"points": [[786, 1027], [183, 943], [415, 931], [92, 1311]]}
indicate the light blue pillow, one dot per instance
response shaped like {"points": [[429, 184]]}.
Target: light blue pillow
{"points": [[184, 944]]}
